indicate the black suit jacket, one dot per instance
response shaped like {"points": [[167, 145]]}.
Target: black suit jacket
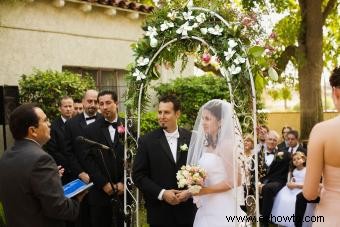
{"points": [[278, 169], [31, 190], [282, 146], [104, 166], [154, 169], [300, 148], [75, 150], [56, 147]]}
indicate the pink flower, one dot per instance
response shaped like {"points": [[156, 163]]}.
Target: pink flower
{"points": [[121, 129], [206, 57]]}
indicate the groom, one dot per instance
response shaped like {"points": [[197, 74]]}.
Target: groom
{"points": [[160, 155]]}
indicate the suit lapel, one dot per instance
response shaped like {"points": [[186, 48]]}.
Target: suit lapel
{"points": [[106, 134], [181, 141], [82, 121], [165, 146]]}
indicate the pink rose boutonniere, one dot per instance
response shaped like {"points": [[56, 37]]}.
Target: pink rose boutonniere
{"points": [[121, 129]]}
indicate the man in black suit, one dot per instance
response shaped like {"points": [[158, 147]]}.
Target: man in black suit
{"points": [[160, 155], [106, 166], [75, 151], [30, 186], [276, 164], [56, 145], [284, 144], [293, 143]]}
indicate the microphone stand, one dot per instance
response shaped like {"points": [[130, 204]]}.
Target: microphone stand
{"points": [[115, 200]]}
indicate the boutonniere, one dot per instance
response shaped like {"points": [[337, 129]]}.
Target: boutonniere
{"points": [[184, 147], [279, 155], [121, 129]]}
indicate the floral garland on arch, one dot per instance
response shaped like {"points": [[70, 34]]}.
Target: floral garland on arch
{"points": [[227, 46]]}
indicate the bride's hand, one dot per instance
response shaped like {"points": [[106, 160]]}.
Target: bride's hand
{"points": [[183, 196]]}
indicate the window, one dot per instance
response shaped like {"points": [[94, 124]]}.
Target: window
{"points": [[106, 79]]}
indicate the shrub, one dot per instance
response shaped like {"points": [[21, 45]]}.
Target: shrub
{"points": [[47, 87]]}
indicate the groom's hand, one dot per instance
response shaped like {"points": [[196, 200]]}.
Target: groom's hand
{"points": [[183, 196], [170, 197]]}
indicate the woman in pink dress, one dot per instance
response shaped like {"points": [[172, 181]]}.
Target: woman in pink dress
{"points": [[323, 159]]}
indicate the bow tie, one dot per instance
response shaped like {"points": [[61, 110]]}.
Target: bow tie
{"points": [[113, 124], [90, 118], [269, 152]]}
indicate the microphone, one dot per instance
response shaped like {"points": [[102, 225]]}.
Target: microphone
{"points": [[82, 139]]}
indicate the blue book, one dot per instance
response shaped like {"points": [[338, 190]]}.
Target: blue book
{"points": [[75, 187]]}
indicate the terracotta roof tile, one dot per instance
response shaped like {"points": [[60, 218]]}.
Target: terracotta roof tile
{"points": [[124, 4]]}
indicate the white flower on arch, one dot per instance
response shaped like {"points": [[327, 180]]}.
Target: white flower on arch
{"points": [[151, 32], [234, 69], [139, 75], [184, 29], [166, 25], [217, 30], [142, 61]]}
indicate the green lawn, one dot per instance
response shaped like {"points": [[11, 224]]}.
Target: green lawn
{"points": [[2, 216]]}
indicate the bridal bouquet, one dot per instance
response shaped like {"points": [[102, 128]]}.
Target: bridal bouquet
{"points": [[191, 177]]}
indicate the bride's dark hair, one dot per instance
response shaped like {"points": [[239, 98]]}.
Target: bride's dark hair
{"points": [[216, 110]]}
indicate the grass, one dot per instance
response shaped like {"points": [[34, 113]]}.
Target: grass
{"points": [[2, 216]]}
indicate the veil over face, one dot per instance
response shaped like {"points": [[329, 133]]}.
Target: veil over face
{"points": [[217, 130]]}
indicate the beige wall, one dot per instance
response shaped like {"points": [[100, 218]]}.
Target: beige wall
{"points": [[40, 35], [276, 120]]}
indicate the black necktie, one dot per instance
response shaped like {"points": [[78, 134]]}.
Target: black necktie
{"points": [[113, 124], [90, 118]]}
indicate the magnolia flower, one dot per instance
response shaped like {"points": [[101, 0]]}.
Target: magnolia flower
{"points": [[184, 29], [139, 75], [172, 15], [151, 32], [153, 42], [187, 15], [239, 60], [200, 18], [166, 25], [232, 43], [215, 30], [234, 69], [142, 61], [204, 31], [229, 54]]}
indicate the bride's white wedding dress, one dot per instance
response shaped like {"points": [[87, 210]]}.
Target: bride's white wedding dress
{"points": [[213, 208]]}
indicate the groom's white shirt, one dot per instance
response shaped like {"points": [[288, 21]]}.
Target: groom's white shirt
{"points": [[172, 139]]}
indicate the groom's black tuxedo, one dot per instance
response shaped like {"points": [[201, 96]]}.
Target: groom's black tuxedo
{"points": [[155, 169]]}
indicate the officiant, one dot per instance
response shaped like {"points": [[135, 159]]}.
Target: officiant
{"points": [[30, 186]]}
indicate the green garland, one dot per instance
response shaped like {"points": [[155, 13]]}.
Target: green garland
{"points": [[232, 43]]}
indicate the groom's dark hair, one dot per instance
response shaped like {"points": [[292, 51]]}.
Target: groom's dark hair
{"points": [[171, 98], [334, 80]]}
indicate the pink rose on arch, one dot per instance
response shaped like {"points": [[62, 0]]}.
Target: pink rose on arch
{"points": [[121, 129]]}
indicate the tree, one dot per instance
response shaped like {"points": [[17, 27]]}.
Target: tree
{"points": [[47, 87], [304, 26]]}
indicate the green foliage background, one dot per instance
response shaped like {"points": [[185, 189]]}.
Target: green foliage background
{"points": [[2, 216], [195, 91], [47, 87]]}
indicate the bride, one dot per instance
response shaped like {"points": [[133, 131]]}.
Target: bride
{"points": [[215, 144]]}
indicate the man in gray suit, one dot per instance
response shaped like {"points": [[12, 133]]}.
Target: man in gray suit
{"points": [[30, 186]]}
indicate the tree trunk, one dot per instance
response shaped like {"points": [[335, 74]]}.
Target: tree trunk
{"points": [[310, 65]]}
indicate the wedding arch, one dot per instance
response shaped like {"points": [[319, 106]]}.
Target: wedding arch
{"points": [[220, 44]]}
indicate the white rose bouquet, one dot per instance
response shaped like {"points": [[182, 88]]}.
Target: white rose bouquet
{"points": [[191, 177]]}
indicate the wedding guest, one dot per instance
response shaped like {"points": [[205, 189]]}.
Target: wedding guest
{"points": [[293, 143], [284, 202], [262, 132], [30, 187], [324, 160], [284, 144], [161, 153], [273, 169], [248, 178]]}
